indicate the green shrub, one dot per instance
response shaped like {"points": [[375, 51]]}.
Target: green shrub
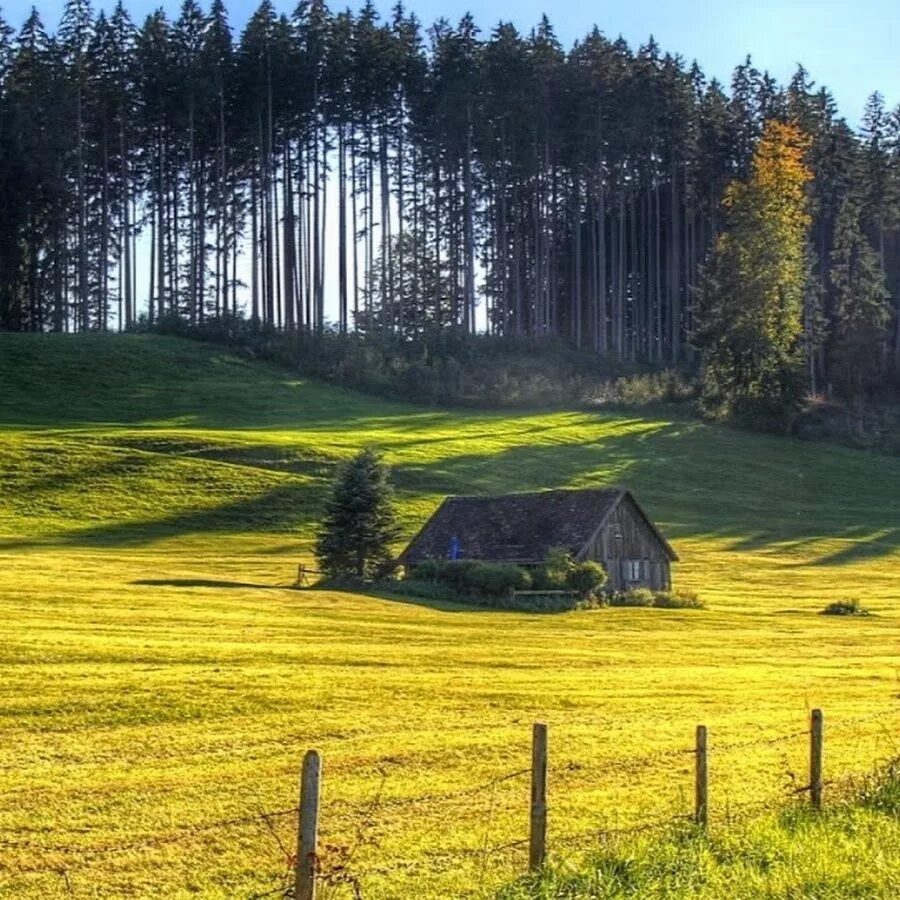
{"points": [[634, 597], [436, 589], [497, 579], [586, 578], [446, 366], [846, 607], [456, 573], [426, 589], [554, 573], [428, 570], [466, 576], [659, 599], [677, 600], [541, 603], [545, 602]]}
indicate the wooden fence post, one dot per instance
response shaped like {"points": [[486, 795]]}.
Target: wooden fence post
{"points": [[701, 779], [308, 836], [816, 743], [537, 848]]}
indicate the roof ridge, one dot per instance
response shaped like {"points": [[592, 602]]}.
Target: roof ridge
{"points": [[617, 489]]}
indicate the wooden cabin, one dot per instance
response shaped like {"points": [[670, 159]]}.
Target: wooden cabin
{"points": [[602, 524]]}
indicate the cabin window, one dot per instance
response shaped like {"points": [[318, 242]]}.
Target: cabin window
{"points": [[636, 569]]}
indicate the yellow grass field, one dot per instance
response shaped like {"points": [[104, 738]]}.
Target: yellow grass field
{"points": [[160, 678]]}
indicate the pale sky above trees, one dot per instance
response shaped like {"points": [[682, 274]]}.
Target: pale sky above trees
{"points": [[850, 47]]}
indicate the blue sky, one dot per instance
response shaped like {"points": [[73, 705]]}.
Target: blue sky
{"points": [[849, 46]]}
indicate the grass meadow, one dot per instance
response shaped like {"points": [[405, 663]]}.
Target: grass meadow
{"points": [[159, 674]]}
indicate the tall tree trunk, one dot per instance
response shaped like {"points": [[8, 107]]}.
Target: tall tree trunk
{"points": [[602, 279], [354, 214], [468, 228], [288, 240], [674, 269], [193, 224], [126, 225], [200, 285], [342, 231], [82, 211], [254, 250], [160, 232]]}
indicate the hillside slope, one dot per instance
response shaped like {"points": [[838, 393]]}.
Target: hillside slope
{"points": [[121, 441]]}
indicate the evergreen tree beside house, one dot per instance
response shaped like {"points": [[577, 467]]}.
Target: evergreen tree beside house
{"points": [[359, 526]]}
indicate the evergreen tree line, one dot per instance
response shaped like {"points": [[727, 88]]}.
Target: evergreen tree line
{"points": [[170, 169]]}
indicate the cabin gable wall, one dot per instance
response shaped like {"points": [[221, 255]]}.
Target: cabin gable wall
{"points": [[630, 551]]}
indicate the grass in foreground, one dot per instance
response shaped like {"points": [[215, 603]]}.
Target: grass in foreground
{"points": [[157, 671], [851, 850]]}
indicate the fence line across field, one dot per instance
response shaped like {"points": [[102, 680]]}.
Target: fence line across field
{"points": [[307, 873], [304, 860]]}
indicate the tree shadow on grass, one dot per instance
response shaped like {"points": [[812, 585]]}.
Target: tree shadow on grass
{"points": [[750, 492], [426, 602], [53, 468], [275, 457], [869, 545], [208, 583], [282, 509], [377, 594]]}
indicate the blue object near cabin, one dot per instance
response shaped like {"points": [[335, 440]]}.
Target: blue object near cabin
{"points": [[454, 548]]}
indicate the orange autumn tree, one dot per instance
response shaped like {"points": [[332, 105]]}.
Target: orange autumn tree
{"points": [[749, 317]]}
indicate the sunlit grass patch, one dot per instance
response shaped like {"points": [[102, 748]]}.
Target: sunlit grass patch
{"points": [[849, 851]]}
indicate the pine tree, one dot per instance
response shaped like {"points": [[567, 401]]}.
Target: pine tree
{"points": [[74, 37], [893, 256], [359, 525], [11, 210], [862, 309], [157, 89], [217, 64], [416, 304], [39, 199]]}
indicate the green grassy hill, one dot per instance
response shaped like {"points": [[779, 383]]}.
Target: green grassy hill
{"points": [[122, 441], [156, 672]]}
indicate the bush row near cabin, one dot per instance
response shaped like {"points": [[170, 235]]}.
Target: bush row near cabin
{"points": [[554, 587], [558, 585], [479, 584], [658, 599]]}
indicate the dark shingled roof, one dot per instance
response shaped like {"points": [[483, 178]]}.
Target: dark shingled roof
{"points": [[516, 527]]}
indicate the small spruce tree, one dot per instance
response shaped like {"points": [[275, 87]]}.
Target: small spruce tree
{"points": [[359, 525]]}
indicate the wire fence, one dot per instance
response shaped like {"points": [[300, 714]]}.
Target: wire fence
{"points": [[354, 848]]}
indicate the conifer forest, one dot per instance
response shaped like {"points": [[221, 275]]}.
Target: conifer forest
{"points": [[342, 171]]}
